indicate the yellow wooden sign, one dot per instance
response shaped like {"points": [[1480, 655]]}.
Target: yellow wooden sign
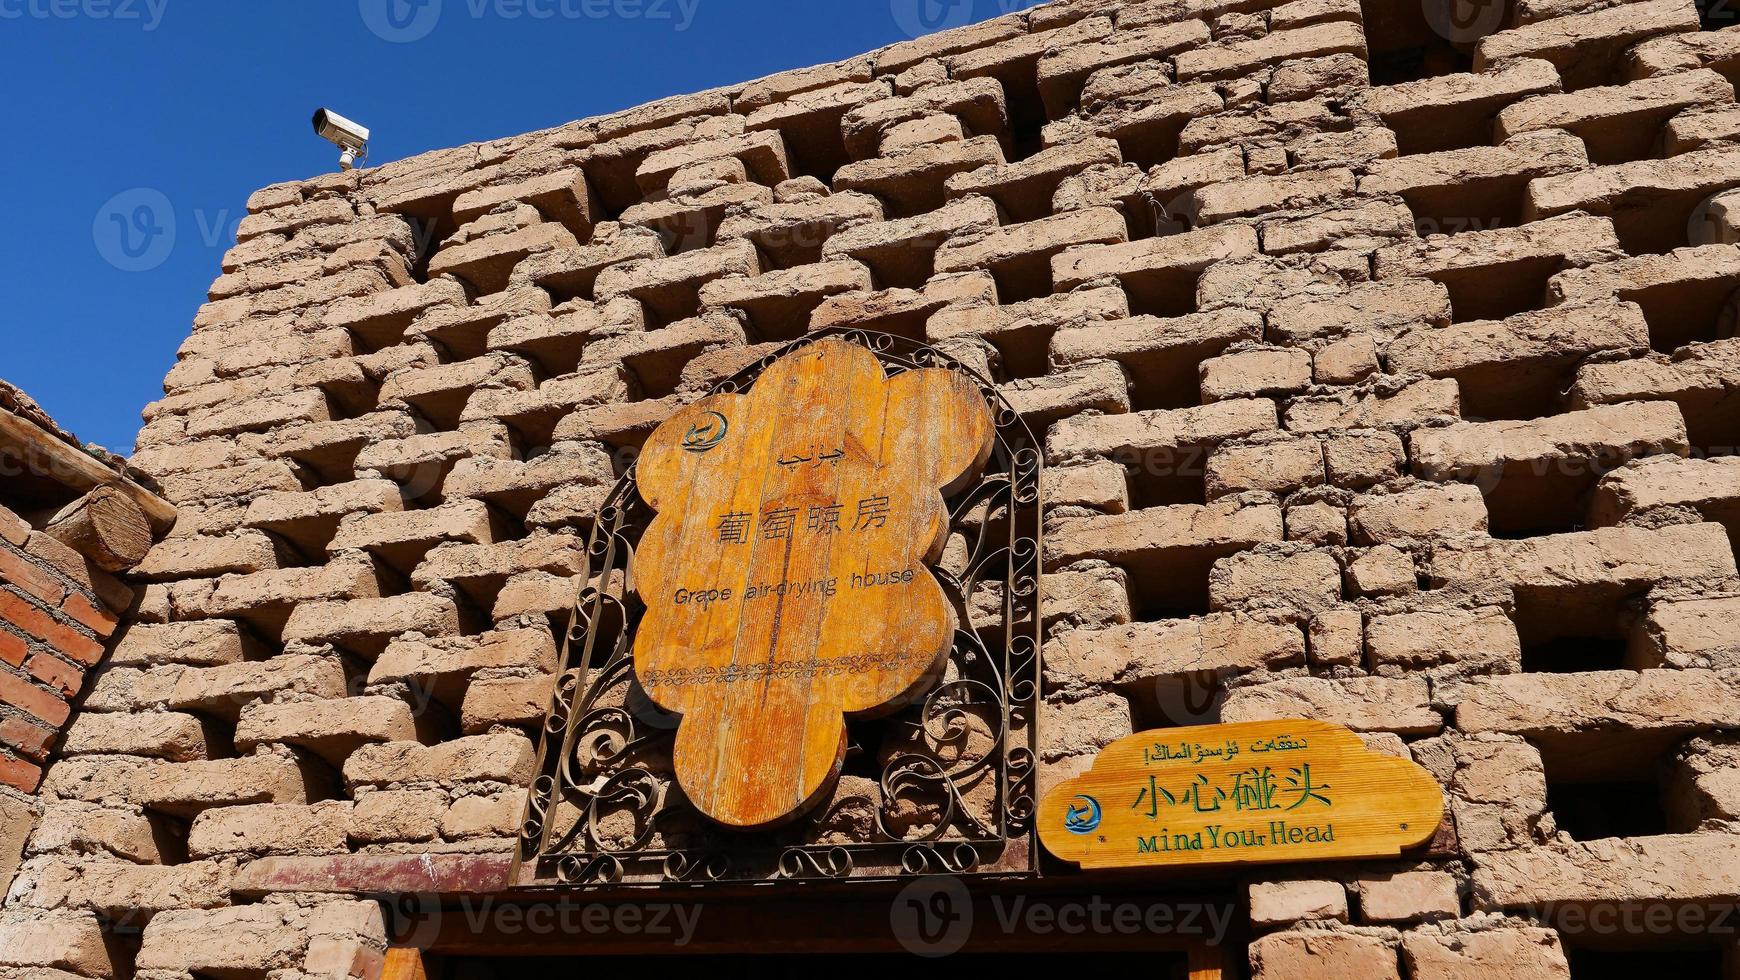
{"points": [[1253, 793], [785, 577]]}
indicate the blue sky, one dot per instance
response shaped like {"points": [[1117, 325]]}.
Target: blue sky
{"points": [[184, 107]]}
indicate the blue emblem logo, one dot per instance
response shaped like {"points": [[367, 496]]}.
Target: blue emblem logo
{"points": [[1083, 815]]}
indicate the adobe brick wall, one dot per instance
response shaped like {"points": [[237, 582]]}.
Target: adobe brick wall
{"points": [[1386, 380]]}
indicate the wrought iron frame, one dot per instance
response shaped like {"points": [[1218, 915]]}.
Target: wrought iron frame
{"points": [[592, 744]]}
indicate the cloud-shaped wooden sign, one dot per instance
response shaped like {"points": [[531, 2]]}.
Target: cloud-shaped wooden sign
{"points": [[1252, 793], [785, 576]]}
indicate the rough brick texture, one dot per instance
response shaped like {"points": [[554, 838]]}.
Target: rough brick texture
{"points": [[1387, 373]]}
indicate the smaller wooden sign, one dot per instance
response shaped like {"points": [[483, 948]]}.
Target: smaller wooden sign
{"points": [[1253, 793]]}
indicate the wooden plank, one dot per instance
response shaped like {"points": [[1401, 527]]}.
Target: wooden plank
{"points": [[72, 467], [404, 963], [785, 576], [1253, 793]]}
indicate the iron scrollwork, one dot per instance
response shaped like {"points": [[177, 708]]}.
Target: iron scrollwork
{"points": [[945, 785]]}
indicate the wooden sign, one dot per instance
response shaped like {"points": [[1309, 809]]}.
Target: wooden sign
{"points": [[1253, 793], [785, 576]]}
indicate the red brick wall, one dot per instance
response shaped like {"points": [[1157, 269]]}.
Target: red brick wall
{"points": [[53, 628]]}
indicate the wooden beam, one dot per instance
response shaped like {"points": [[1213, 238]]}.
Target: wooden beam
{"points": [[73, 467], [404, 963]]}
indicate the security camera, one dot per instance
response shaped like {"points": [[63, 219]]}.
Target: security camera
{"points": [[352, 138]]}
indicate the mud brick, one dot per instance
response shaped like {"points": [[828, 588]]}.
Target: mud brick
{"points": [[1022, 331], [331, 729], [239, 553], [913, 182], [901, 252], [553, 341], [1654, 203], [487, 263], [573, 272], [792, 233], [1160, 274], [402, 538], [210, 643], [904, 312], [1098, 386], [1379, 307], [979, 103], [1400, 408], [443, 666], [1186, 539], [1082, 727], [1018, 56], [1618, 122], [778, 304], [924, 130], [1419, 512], [309, 520], [1575, 581], [1483, 640], [185, 789], [1254, 373], [1284, 902], [1255, 195], [1682, 293], [384, 816], [222, 692], [1158, 437], [1063, 71], [1586, 48], [563, 196], [1698, 378], [366, 626], [1453, 191], [1242, 57], [1549, 708], [1711, 487], [1020, 255], [1458, 110], [1151, 130], [439, 393], [1700, 128], [670, 287], [1496, 272], [778, 88], [1024, 189], [519, 702], [1687, 633], [330, 449], [1716, 50], [1495, 953], [762, 152], [164, 735], [515, 485], [382, 319], [479, 570], [1364, 704], [904, 55], [1284, 582], [503, 758], [1297, 954], [1529, 469], [1148, 653], [267, 828], [262, 414], [1276, 464], [656, 357], [1519, 366]]}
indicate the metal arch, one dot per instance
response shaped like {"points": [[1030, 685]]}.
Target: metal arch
{"points": [[604, 808]]}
